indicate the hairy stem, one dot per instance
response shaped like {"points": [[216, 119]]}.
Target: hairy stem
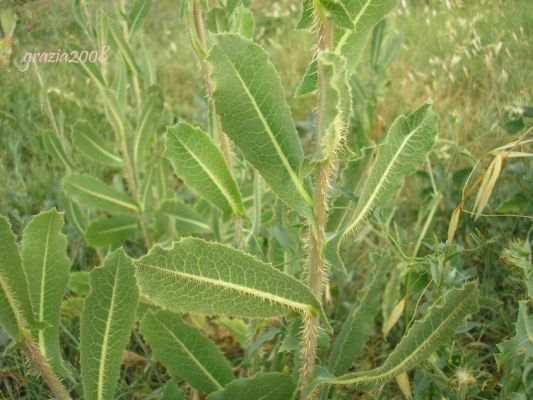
{"points": [[45, 371], [316, 263]]}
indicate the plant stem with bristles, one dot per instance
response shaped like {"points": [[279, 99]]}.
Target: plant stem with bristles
{"points": [[316, 262]]}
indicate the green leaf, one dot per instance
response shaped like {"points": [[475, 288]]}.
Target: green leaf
{"points": [[306, 19], [199, 162], [185, 351], [365, 14], [172, 392], [92, 146], [88, 69], [123, 47], [359, 322], [309, 80], [107, 230], [337, 12], [213, 279], [148, 122], [262, 386], [139, 12], [244, 22], [422, 339], [107, 319], [74, 213], [16, 312], [335, 108], [405, 147], [45, 263], [521, 343], [188, 220], [92, 193], [54, 147], [251, 104]]}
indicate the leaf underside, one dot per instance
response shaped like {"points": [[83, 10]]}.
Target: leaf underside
{"points": [[106, 322], [262, 386], [185, 351], [213, 279]]}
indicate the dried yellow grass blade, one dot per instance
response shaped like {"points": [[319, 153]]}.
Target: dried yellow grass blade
{"points": [[403, 383], [487, 185], [394, 316]]}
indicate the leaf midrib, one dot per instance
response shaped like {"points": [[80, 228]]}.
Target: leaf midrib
{"points": [[390, 372], [369, 204], [265, 296], [41, 294], [192, 357], [231, 201], [278, 149], [355, 22], [103, 352], [102, 149], [103, 196]]}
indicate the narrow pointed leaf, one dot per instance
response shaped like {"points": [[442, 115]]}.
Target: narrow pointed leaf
{"points": [[335, 108], [251, 104], [92, 193], [213, 279], [92, 146], [199, 162], [123, 47], [365, 15], [107, 230], [54, 147], [359, 323], [408, 141], [309, 80], [45, 262], [188, 220], [185, 351], [16, 311], [139, 12], [262, 386], [74, 213], [88, 69], [422, 339], [107, 319], [148, 122]]}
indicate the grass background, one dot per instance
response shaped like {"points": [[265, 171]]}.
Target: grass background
{"points": [[472, 58]]}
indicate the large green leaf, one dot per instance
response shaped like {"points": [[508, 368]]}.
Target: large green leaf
{"points": [[213, 279], [422, 339], [106, 230], [359, 323], [45, 262], [199, 162], [185, 351], [408, 141], [365, 15], [106, 322], [15, 304], [92, 193], [148, 122], [92, 146], [251, 104], [262, 386]]}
